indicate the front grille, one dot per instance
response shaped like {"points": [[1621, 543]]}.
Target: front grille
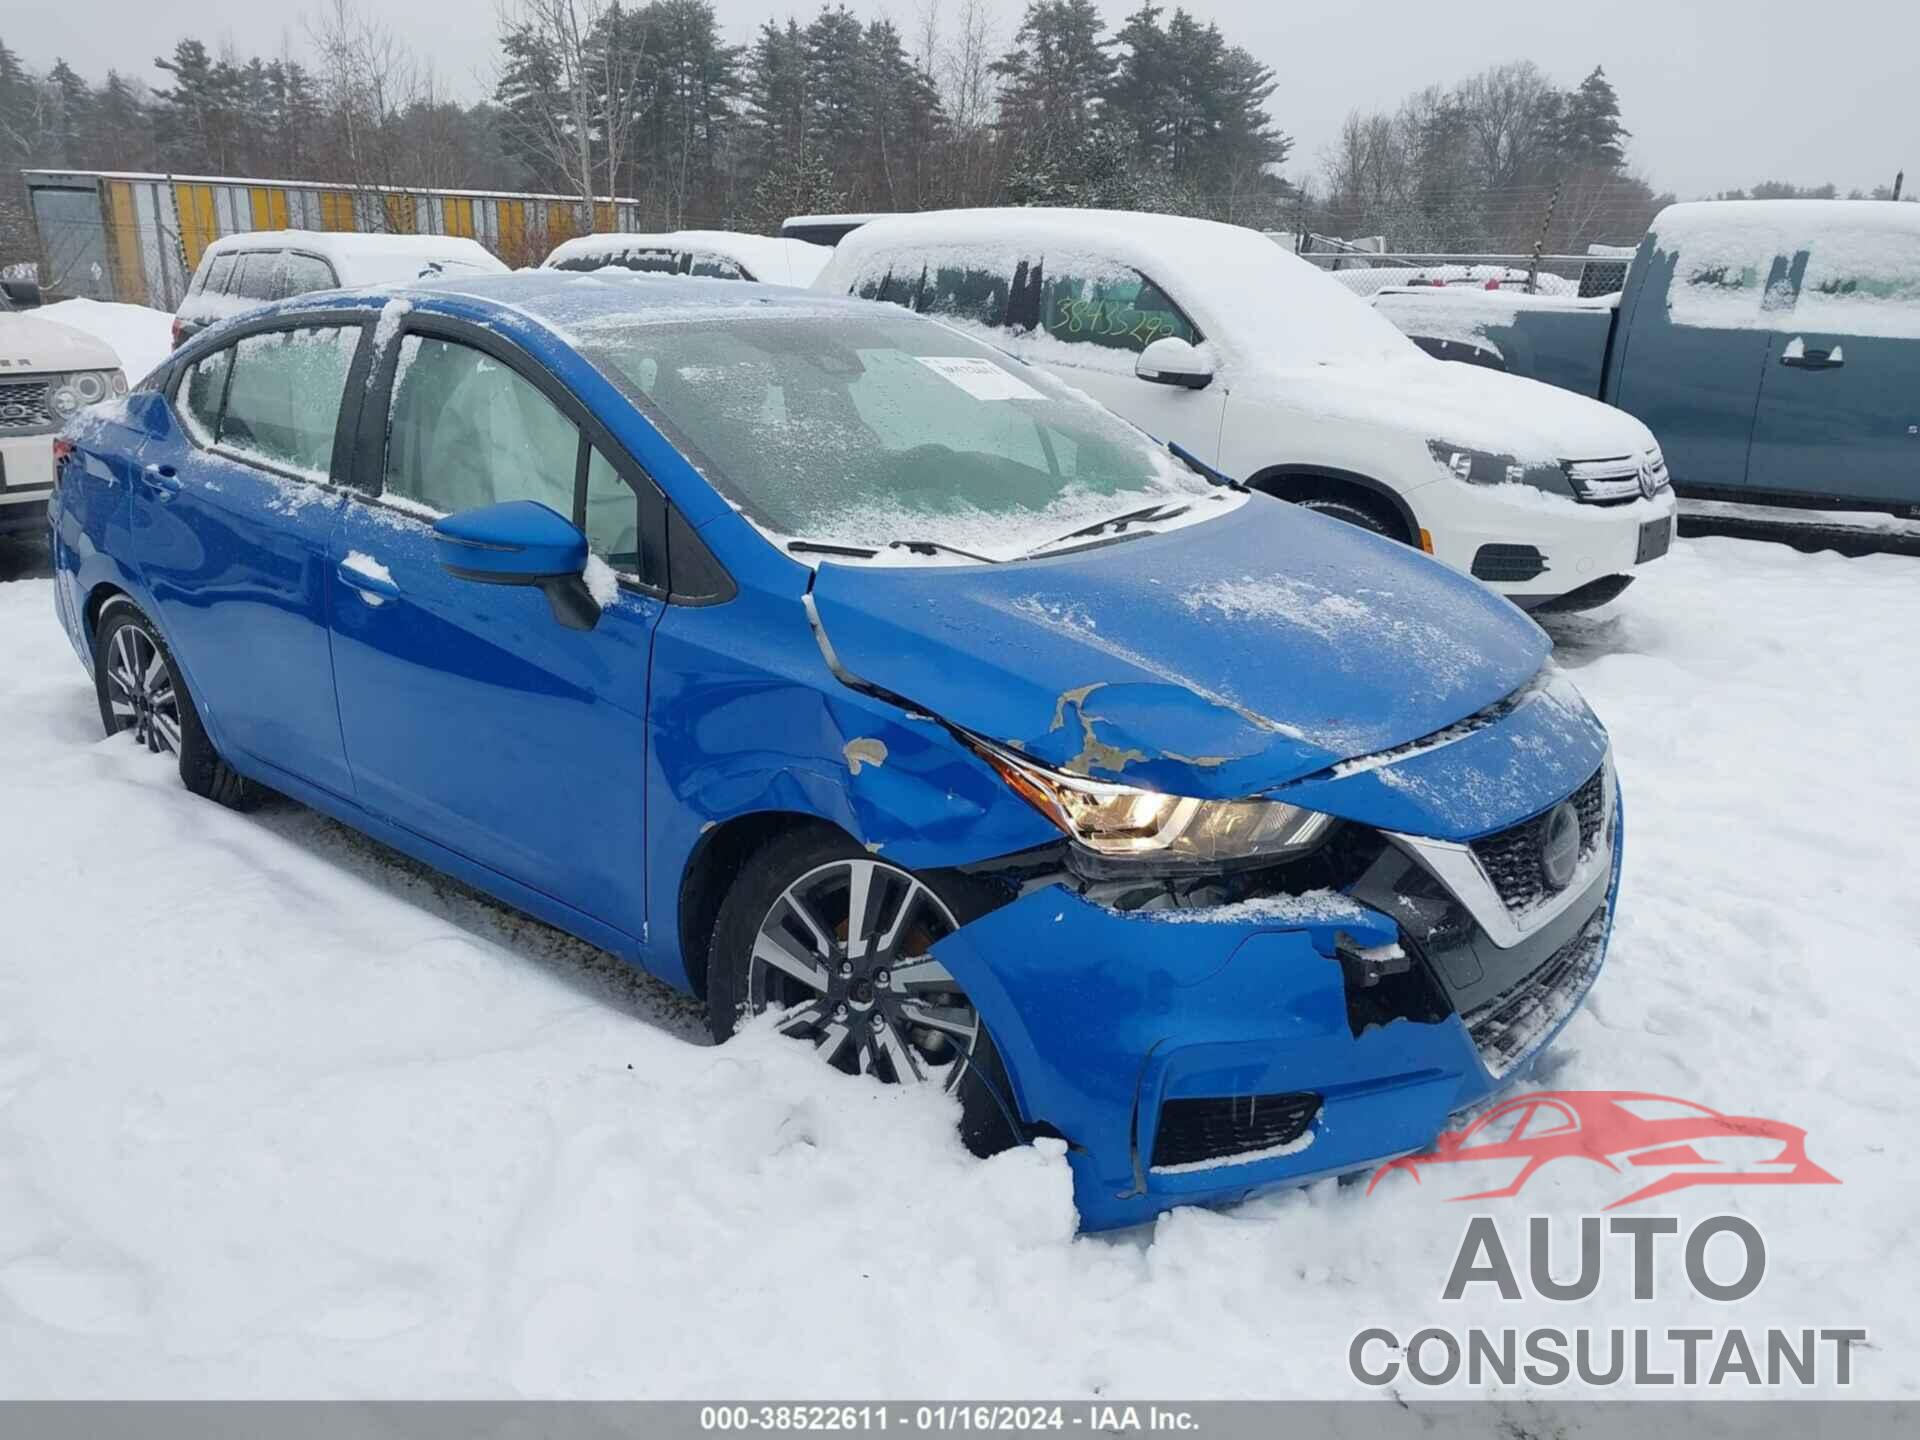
{"points": [[1511, 857], [1617, 482], [1509, 1027], [1204, 1132], [23, 406]]}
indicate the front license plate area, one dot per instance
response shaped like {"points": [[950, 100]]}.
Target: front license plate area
{"points": [[1656, 538]]}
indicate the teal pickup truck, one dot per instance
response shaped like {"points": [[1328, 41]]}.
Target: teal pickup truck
{"points": [[1772, 346]]}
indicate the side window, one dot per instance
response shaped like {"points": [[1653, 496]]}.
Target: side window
{"points": [[220, 274], [255, 274], [198, 399], [651, 262], [967, 291], [1121, 310], [465, 430], [717, 267], [613, 515], [1723, 279], [1863, 282], [283, 402], [302, 274]]}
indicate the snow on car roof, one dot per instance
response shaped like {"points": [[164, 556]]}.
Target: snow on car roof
{"points": [[1801, 218], [769, 259], [1252, 300], [366, 259]]}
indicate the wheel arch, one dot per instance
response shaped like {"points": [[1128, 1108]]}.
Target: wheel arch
{"points": [[712, 867], [1292, 482]]}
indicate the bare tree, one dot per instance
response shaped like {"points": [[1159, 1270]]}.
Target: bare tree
{"points": [[577, 89]]}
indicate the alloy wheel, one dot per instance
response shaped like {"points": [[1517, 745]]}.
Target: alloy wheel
{"points": [[843, 956], [141, 692]]}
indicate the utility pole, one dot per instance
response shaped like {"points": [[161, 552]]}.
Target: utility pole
{"points": [[1540, 240], [1898, 179]]}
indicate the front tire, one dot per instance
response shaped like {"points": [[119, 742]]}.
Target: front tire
{"points": [[140, 690], [1351, 513], [837, 942]]}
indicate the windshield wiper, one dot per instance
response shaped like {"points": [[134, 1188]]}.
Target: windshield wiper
{"points": [[821, 547], [1115, 522], [1200, 467], [930, 547]]}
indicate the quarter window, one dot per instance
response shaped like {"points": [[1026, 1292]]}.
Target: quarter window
{"points": [[612, 515], [220, 274], [717, 267], [201, 393], [283, 401], [1122, 310]]}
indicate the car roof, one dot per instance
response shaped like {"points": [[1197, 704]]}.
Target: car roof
{"points": [[563, 299], [780, 259], [350, 251]]}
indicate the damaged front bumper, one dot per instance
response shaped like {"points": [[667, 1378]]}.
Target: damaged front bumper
{"points": [[1199, 1056]]}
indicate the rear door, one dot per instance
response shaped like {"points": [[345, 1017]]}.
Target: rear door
{"points": [[472, 717], [1839, 416], [233, 514], [1696, 348]]}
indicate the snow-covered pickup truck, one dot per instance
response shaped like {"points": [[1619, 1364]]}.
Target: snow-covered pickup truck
{"points": [[48, 372], [1772, 346]]}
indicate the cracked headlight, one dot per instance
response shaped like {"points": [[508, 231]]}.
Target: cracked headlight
{"points": [[1123, 820]]}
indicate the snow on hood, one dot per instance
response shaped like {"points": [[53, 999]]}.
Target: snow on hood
{"points": [[29, 343], [1465, 405], [1220, 660]]}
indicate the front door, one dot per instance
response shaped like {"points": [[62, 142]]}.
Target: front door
{"points": [[234, 513], [1090, 330], [472, 716], [1696, 348], [1839, 415]]}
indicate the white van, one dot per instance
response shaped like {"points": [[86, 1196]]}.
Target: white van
{"points": [[1213, 337], [238, 272]]}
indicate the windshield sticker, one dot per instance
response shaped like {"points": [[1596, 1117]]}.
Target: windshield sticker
{"points": [[981, 379]]}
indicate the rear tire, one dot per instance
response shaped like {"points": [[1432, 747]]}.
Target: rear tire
{"points": [[141, 690], [877, 1004]]}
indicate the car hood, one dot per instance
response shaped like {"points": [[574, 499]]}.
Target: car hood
{"points": [[1469, 406], [1218, 660], [29, 344]]}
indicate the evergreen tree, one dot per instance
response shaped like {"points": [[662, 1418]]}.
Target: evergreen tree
{"points": [[1591, 134], [1052, 79]]}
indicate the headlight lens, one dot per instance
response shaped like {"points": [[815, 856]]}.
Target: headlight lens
{"points": [[64, 400], [1122, 820], [1483, 467]]}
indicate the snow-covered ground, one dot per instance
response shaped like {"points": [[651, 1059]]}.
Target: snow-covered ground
{"points": [[281, 1114]]}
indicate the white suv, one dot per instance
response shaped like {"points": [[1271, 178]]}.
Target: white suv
{"points": [[1213, 337], [47, 373]]}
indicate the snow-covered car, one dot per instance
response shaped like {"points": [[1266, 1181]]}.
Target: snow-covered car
{"points": [[238, 272], [1258, 364], [715, 254], [847, 672], [1368, 280], [48, 372]]}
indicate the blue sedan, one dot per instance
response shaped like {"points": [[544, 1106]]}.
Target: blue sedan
{"points": [[845, 672]]}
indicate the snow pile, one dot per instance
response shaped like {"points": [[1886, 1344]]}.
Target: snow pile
{"points": [[281, 1114], [140, 336]]}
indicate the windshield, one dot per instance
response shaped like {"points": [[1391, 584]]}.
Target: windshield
{"points": [[859, 430]]}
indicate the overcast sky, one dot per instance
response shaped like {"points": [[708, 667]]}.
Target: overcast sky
{"points": [[1717, 94]]}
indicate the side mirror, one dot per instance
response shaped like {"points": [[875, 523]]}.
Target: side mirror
{"points": [[521, 542], [25, 294], [1173, 361]]}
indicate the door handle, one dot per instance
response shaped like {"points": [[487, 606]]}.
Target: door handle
{"points": [[1796, 356], [371, 588], [162, 478]]}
